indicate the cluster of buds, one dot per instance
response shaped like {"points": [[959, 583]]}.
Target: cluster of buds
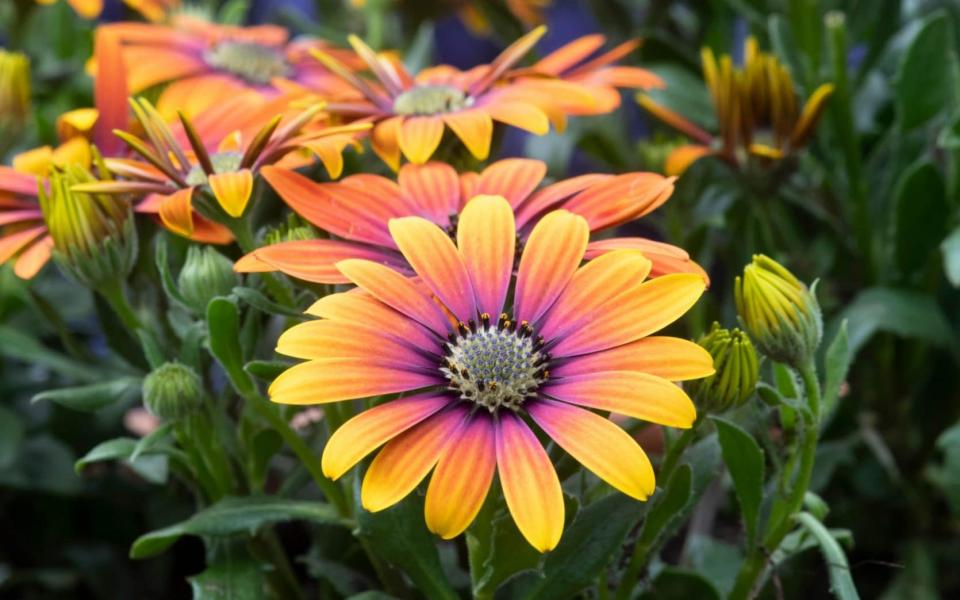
{"points": [[94, 235], [779, 312], [757, 108], [737, 371]]}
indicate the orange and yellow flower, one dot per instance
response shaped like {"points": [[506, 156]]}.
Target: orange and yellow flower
{"points": [[204, 64], [757, 111], [358, 210], [577, 62], [154, 10], [411, 112], [473, 374], [169, 173]]}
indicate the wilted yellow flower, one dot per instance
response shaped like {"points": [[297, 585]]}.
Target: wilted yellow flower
{"points": [[757, 108], [14, 93], [94, 237], [779, 312], [737, 369]]}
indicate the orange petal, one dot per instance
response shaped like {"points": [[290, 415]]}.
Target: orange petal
{"points": [[667, 357], [674, 119], [530, 483], [597, 444], [431, 190], [232, 190], [436, 260], [682, 157], [419, 137], [620, 199], [553, 196], [33, 258], [551, 256], [475, 130], [385, 141], [13, 243], [396, 291], [568, 55], [324, 381], [631, 393], [487, 236], [109, 91], [649, 307], [313, 260], [462, 478], [318, 340], [407, 458], [593, 286], [522, 116], [359, 307], [665, 257], [513, 178], [176, 212], [366, 432]]}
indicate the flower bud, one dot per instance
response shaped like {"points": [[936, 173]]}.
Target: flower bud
{"points": [[294, 229], [778, 311], [14, 93], [172, 391], [205, 275], [94, 237], [737, 370]]}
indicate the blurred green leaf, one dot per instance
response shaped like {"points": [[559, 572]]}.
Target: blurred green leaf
{"points": [[20, 346], [150, 463], [232, 516], [744, 459], [266, 370], [946, 475], [11, 435], [836, 364], [905, 313], [924, 78], [508, 553], [260, 302], [399, 535], [686, 94], [674, 582], [841, 583], [230, 580], [668, 506], [597, 532], [715, 559], [922, 211], [163, 267], [223, 321], [43, 463], [90, 398], [951, 257]]}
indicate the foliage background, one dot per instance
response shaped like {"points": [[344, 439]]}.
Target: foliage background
{"points": [[871, 210]]}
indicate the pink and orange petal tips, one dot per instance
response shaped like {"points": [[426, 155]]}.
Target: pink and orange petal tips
{"points": [[477, 364]]}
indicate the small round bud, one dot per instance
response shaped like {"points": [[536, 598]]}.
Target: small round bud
{"points": [[205, 275], [778, 311], [737, 370], [172, 391]]}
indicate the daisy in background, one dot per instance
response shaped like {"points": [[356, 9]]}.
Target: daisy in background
{"points": [[481, 363], [757, 108], [169, 172], [357, 211], [411, 112], [204, 64]]}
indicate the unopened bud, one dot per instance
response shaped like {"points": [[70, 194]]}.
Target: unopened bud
{"points": [[172, 391], [737, 370], [205, 275]]}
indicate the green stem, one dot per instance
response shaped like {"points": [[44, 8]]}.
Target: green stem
{"points": [[330, 489], [113, 293], [646, 541], [283, 578], [243, 234], [781, 514]]}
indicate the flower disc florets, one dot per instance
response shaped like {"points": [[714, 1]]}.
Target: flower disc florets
{"points": [[495, 364], [252, 62], [223, 162], [431, 100]]}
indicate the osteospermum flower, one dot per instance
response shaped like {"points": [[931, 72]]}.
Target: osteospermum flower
{"points": [[170, 173], [756, 107], [578, 62], [204, 64], [411, 112], [474, 375], [358, 209]]}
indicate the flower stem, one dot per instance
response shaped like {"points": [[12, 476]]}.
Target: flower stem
{"points": [[784, 507], [113, 293], [242, 233]]}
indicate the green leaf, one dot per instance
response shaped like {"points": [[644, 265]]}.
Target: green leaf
{"points": [[836, 364], [924, 79], [670, 503], [266, 370], [946, 475], [841, 583], [151, 349], [675, 582], [399, 535], [11, 435], [223, 321], [260, 302], [151, 463], [715, 559], [922, 210], [233, 516], [905, 313], [744, 459], [166, 278], [587, 545], [950, 247], [230, 580], [19, 346], [91, 398], [43, 463]]}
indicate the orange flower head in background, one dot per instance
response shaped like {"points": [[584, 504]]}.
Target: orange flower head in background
{"points": [[411, 112], [204, 64], [154, 10], [357, 211], [757, 111], [169, 171], [480, 362], [578, 62]]}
